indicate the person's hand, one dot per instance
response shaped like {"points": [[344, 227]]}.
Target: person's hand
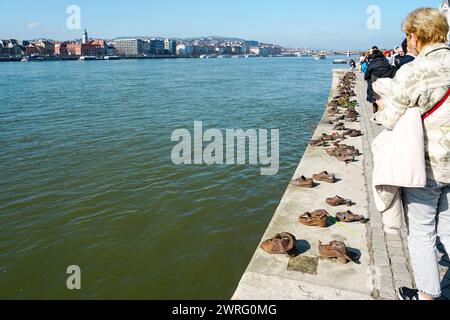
{"points": [[380, 104]]}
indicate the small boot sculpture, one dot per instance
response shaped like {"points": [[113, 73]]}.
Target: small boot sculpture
{"points": [[335, 250]]}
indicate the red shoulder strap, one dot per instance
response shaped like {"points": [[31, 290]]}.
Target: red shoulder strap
{"points": [[440, 103]]}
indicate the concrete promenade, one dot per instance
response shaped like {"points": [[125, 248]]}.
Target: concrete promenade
{"points": [[384, 263]]}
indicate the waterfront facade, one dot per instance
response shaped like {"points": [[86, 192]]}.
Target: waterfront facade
{"points": [[170, 46], [184, 50], [10, 48], [128, 47], [157, 46], [81, 49], [136, 47], [61, 49]]}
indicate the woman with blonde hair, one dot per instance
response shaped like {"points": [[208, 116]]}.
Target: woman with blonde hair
{"points": [[425, 83]]}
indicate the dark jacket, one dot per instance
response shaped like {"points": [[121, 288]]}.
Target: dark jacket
{"points": [[378, 68], [404, 60]]}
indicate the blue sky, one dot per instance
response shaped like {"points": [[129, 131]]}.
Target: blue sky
{"points": [[321, 24]]}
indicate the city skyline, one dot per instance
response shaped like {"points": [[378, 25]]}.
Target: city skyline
{"points": [[288, 23]]}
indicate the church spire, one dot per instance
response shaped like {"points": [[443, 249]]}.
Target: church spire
{"points": [[85, 39]]}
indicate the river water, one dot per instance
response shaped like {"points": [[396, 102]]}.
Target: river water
{"points": [[86, 176]]}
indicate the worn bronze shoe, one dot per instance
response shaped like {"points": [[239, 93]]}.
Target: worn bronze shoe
{"points": [[355, 133], [317, 143], [348, 132], [282, 243], [318, 218], [303, 182], [342, 146], [352, 114], [346, 159], [350, 217], [333, 111], [350, 152], [338, 201], [339, 136], [334, 152], [325, 177], [326, 137], [340, 126], [335, 250]]}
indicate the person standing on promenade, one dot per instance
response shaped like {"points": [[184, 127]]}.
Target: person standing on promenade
{"points": [[365, 62], [425, 83], [378, 68], [408, 57], [391, 59], [399, 56]]}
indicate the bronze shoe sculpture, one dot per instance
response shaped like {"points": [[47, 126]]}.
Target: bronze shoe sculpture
{"points": [[317, 143], [282, 243], [346, 159], [334, 152], [338, 201], [335, 250], [303, 182], [355, 133], [350, 217], [325, 177], [318, 218], [326, 137], [340, 126]]}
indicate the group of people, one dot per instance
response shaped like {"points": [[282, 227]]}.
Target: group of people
{"points": [[419, 76], [377, 64]]}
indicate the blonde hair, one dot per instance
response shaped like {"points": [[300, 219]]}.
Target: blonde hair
{"points": [[429, 25]]}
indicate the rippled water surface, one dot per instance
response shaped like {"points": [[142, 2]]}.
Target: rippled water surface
{"points": [[86, 176]]}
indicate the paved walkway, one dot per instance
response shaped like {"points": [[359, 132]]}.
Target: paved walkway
{"points": [[390, 253], [391, 256], [384, 261]]}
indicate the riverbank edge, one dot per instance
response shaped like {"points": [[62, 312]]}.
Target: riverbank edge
{"points": [[377, 270]]}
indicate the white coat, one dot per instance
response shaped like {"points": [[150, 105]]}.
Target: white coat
{"points": [[399, 161]]}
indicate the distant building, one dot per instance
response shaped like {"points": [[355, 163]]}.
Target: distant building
{"points": [[170, 46], [236, 50], [99, 43], [265, 52], [10, 47], [95, 48], [48, 48], [146, 47], [24, 43], [185, 50], [61, 49], [31, 50], [82, 49], [276, 50], [128, 47], [110, 50], [445, 8], [255, 50], [157, 46]]}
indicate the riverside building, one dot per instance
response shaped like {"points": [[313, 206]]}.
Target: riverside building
{"points": [[128, 47]]}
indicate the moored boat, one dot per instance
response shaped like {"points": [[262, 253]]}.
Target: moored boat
{"points": [[88, 58], [112, 58], [340, 61]]}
